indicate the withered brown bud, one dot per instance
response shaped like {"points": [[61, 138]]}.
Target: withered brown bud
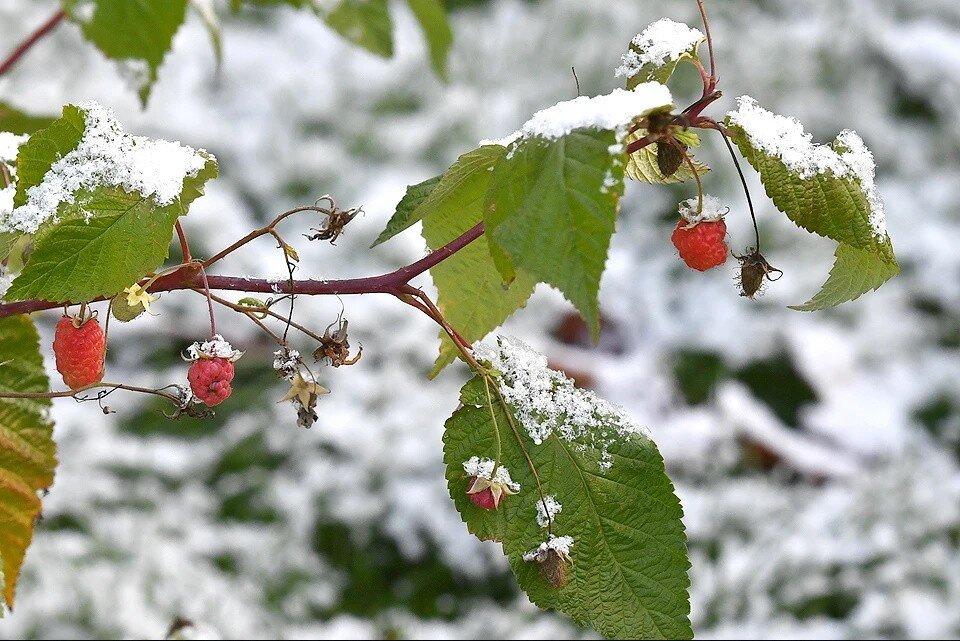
{"points": [[669, 157], [754, 270], [554, 567]]}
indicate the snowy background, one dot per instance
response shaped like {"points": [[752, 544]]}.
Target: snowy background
{"points": [[817, 456]]}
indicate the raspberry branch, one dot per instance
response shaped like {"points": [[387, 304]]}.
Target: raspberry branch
{"points": [[35, 37]]}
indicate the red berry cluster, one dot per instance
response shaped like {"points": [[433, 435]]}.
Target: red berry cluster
{"points": [[79, 347], [702, 246], [210, 380]]}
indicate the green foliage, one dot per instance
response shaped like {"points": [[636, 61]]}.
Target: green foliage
{"points": [[408, 212], [628, 577], [46, 147], [365, 23], [552, 208], [28, 455], [133, 33], [854, 273], [471, 293], [436, 30], [125, 237], [834, 207], [17, 122]]}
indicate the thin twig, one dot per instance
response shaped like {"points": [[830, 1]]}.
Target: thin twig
{"points": [[706, 28], [25, 46], [743, 182], [184, 245]]}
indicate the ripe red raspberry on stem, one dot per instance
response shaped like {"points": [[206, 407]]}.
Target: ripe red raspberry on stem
{"points": [[700, 235], [79, 346], [701, 245], [212, 369]]}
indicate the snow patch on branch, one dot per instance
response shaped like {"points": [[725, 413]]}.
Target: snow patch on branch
{"points": [[661, 43], [784, 137], [614, 111], [107, 157]]}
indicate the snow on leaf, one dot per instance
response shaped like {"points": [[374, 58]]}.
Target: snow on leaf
{"points": [[620, 533], [655, 52], [784, 138], [103, 156]]}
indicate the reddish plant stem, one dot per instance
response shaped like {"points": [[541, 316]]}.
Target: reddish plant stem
{"points": [[189, 278], [25, 46], [184, 244], [712, 83]]}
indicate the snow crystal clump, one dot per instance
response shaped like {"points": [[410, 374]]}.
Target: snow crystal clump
{"points": [[547, 508], [559, 544], [713, 210], [611, 111], [286, 362], [216, 347], [482, 468], [548, 403], [659, 44], [784, 137], [106, 156], [9, 147]]}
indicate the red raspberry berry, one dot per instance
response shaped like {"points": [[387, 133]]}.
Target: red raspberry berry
{"points": [[79, 351], [483, 498], [701, 246], [210, 380]]}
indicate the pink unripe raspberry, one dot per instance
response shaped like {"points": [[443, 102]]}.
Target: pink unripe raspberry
{"points": [[210, 380], [483, 498]]}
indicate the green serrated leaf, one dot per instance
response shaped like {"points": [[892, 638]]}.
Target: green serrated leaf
{"points": [[135, 33], [46, 147], [628, 573], [642, 165], [408, 211], [436, 29], [27, 451], [552, 207], [831, 206], [17, 122], [854, 273], [471, 292], [823, 203], [126, 236], [365, 23]]}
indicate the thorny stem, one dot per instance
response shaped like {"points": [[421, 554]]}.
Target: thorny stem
{"points": [[187, 278], [25, 46]]}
